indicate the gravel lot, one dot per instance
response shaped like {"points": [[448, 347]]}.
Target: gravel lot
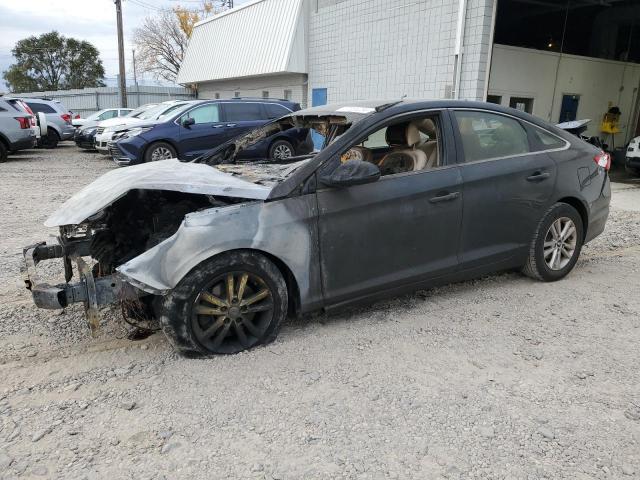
{"points": [[501, 377]]}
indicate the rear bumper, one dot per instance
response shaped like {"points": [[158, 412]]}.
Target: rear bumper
{"points": [[599, 212], [633, 162], [29, 141]]}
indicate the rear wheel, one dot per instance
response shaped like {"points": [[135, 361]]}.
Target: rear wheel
{"points": [[280, 150], [51, 139], [556, 245], [4, 153], [230, 303], [159, 151]]}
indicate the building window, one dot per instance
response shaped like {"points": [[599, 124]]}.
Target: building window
{"points": [[236, 94], [217, 96], [522, 104], [287, 95], [265, 94], [497, 99]]}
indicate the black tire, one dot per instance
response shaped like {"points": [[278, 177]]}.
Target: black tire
{"points": [[159, 148], [187, 330], [536, 266], [280, 150], [50, 140], [634, 172], [4, 153]]}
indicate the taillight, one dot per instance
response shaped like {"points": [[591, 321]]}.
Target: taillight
{"points": [[24, 122], [77, 116], [66, 117], [603, 159]]}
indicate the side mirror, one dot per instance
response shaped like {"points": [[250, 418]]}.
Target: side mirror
{"points": [[187, 122], [353, 172]]}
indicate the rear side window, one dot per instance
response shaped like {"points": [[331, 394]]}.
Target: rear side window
{"points": [[275, 111], [204, 114], [243, 111], [40, 107], [486, 135], [547, 140]]}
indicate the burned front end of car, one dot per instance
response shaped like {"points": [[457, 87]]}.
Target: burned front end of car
{"points": [[91, 288], [94, 249]]}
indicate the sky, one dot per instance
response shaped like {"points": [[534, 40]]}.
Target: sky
{"points": [[90, 20]]}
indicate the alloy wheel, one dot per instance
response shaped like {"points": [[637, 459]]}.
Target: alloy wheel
{"points": [[161, 153], [282, 151], [235, 309], [560, 243]]}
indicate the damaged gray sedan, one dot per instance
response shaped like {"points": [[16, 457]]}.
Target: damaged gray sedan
{"points": [[397, 196]]}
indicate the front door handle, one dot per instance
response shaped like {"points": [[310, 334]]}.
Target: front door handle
{"points": [[231, 124], [218, 126], [445, 197], [538, 177]]}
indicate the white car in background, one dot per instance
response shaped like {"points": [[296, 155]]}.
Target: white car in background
{"points": [[632, 157], [150, 112], [100, 116]]}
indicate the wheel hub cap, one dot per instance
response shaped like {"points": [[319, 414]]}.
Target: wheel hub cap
{"points": [[560, 243], [233, 311]]}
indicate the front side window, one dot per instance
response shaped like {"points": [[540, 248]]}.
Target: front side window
{"points": [[486, 135], [243, 111], [204, 114], [405, 146]]}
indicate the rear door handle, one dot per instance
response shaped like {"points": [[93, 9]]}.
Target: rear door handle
{"points": [[445, 198], [538, 177], [231, 124]]}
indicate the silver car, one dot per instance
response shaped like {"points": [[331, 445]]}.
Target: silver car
{"points": [[58, 120], [16, 129]]}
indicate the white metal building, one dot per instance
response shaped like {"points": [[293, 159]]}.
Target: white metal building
{"points": [[556, 59]]}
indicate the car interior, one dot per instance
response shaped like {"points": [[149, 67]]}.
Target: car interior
{"points": [[407, 146]]}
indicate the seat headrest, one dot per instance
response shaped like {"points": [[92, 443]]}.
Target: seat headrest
{"points": [[428, 127], [402, 134]]}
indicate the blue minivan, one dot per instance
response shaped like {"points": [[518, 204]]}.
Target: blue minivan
{"points": [[201, 125]]}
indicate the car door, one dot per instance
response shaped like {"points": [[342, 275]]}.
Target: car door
{"points": [[507, 186], [240, 117], [403, 228], [200, 130]]}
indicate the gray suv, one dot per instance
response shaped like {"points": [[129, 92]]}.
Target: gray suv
{"points": [[58, 120], [16, 129]]}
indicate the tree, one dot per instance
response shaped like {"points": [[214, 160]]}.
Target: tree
{"points": [[162, 40], [53, 62]]}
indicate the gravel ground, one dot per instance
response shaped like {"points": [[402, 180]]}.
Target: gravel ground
{"points": [[501, 377]]}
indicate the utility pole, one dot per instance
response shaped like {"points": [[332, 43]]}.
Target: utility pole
{"points": [[123, 78], [135, 76]]}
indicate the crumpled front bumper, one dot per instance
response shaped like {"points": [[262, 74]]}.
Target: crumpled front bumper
{"points": [[90, 290]]}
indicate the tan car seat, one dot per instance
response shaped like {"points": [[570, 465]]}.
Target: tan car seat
{"points": [[430, 146], [405, 157]]}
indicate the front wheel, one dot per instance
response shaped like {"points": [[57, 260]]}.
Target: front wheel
{"points": [[230, 303], [556, 245], [159, 151], [281, 150]]}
